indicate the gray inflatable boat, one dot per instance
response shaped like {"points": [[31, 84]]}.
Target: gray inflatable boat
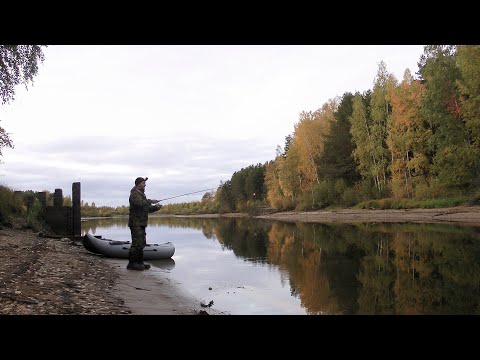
{"points": [[120, 249]]}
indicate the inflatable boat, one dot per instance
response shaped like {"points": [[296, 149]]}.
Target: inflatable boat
{"points": [[119, 249]]}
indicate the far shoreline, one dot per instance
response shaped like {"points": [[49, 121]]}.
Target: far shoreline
{"points": [[461, 215]]}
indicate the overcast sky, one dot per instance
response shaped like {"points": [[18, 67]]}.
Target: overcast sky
{"points": [[187, 117]]}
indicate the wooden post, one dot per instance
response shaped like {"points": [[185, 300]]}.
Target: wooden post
{"points": [[76, 214], [42, 197], [58, 198]]}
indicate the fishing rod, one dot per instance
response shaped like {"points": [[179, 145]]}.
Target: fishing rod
{"points": [[185, 194]]}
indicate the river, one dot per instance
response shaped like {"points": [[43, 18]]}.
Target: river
{"points": [[254, 266]]}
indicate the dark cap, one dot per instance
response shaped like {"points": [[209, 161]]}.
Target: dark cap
{"points": [[139, 180]]}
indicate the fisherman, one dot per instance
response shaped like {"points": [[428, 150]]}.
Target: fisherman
{"points": [[140, 206]]}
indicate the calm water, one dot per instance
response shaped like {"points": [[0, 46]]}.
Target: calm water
{"points": [[263, 267]]}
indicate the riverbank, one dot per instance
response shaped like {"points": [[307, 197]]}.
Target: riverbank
{"points": [[460, 215], [50, 276]]}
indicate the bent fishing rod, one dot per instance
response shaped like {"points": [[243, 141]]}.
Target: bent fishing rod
{"points": [[185, 194]]}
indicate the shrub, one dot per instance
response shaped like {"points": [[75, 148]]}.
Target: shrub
{"points": [[349, 197], [10, 205], [324, 194]]}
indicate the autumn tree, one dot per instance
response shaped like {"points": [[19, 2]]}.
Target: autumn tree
{"points": [[468, 59], [407, 136], [289, 176], [305, 144], [453, 161], [274, 191], [309, 138], [361, 130], [380, 109], [288, 140], [282, 179]]}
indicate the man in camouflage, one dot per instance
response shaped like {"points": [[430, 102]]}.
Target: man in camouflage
{"points": [[140, 206]]}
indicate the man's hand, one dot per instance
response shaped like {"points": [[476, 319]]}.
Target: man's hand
{"points": [[154, 201]]}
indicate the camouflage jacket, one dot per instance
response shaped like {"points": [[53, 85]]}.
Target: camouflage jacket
{"points": [[140, 206]]}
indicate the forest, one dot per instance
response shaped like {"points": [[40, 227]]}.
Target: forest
{"points": [[406, 143]]}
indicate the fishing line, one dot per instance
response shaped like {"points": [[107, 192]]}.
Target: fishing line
{"points": [[186, 194]]}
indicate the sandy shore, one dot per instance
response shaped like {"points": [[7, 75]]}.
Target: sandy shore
{"points": [[461, 215], [152, 292], [50, 276]]}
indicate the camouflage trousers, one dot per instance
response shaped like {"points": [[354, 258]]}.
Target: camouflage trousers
{"points": [[139, 240]]}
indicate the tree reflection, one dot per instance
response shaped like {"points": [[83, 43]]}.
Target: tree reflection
{"points": [[353, 269]]}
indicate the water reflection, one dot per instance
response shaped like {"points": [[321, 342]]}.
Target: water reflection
{"points": [[349, 269], [164, 264]]}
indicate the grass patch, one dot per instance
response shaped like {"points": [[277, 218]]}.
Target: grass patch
{"points": [[11, 205]]}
